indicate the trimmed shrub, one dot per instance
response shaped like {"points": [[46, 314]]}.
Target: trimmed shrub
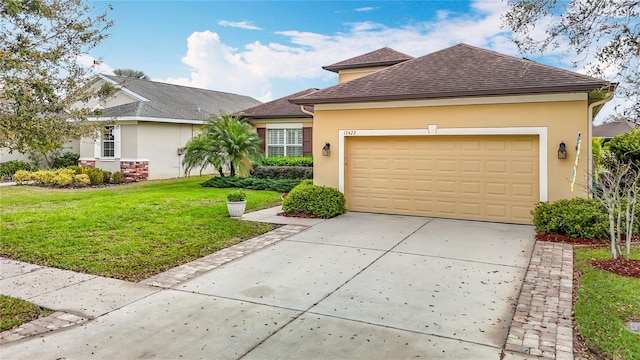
{"points": [[75, 168], [117, 177], [626, 147], [9, 168], [66, 159], [576, 218], [81, 180], [279, 185], [63, 179], [282, 172], [321, 201], [106, 176], [22, 176], [95, 176], [44, 177], [306, 161]]}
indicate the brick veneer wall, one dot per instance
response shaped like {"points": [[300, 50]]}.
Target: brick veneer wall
{"points": [[89, 163], [134, 170]]}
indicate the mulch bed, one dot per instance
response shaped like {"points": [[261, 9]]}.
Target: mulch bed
{"points": [[304, 216], [619, 266]]}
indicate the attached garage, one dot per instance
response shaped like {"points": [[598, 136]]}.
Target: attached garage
{"points": [[492, 178], [461, 133]]}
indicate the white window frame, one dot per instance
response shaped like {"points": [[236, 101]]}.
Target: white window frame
{"points": [[285, 127], [98, 149]]}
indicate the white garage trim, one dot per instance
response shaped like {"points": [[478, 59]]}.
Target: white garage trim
{"points": [[432, 130]]}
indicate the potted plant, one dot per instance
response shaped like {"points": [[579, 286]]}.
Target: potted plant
{"points": [[236, 203]]}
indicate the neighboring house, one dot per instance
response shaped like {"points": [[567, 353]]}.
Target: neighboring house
{"points": [[613, 128], [462, 133], [285, 129], [153, 122]]}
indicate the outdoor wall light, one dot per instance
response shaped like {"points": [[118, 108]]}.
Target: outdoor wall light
{"points": [[326, 149], [562, 151]]}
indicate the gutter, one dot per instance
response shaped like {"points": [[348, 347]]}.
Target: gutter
{"points": [[590, 131], [306, 111]]}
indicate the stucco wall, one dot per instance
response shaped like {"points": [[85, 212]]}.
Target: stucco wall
{"points": [[563, 120], [71, 146], [159, 143], [352, 74]]}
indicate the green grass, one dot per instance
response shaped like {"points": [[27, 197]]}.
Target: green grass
{"points": [[605, 303], [15, 312], [127, 232]]}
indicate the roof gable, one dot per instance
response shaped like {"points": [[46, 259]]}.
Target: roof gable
{"points": [[381, 57], [459, 71], [169, 101], [279, 108]]}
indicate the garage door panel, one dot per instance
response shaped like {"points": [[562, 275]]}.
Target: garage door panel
{"points": [[491, 178]]}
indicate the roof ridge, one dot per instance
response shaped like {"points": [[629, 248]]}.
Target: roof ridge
{"points": [[174, 85]]}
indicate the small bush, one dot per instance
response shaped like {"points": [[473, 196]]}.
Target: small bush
{"points": [[279, 185], [63, 179], [44, 177], [81, 180], [117, 177], [66, 159], [22, 176], [626, 147], [106, 176], [75, 168], [306, 161], [577, 218], [321, 201], [9, 168], [282, 172], [95, 176]]}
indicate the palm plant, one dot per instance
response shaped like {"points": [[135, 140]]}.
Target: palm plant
{"points": [[137, 74], [224, 139]]}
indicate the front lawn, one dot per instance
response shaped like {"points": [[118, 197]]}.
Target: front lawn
{"points": [[605, 303], [128, 232]]}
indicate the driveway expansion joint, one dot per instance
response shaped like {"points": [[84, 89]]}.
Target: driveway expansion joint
{"points": [[542, 323], [179, 274]]}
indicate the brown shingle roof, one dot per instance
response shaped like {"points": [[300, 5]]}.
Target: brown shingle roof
{"points": [[459, 71], [279, 108], [381, 57], [613, 128]]}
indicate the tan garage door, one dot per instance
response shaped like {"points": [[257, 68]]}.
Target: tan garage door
{"points": [[492, 178]]}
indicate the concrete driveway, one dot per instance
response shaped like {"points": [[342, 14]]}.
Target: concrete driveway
{"points": [[360, 286]]}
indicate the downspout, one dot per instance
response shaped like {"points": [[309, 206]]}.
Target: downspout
{"points": [[590, 131], [305, 110]]}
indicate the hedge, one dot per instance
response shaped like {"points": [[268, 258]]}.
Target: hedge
{"points": [[306, 161], [576, 218], [279, 185], [282, 172]]}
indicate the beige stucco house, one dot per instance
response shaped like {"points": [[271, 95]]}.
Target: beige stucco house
{"points": [[153, 122], [462, 133]]}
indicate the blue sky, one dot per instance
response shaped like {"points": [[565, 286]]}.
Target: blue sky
{"points": [[269, 49]]}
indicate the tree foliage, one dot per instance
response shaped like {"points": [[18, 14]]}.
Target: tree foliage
{"points": [[224, 140], [137, 74], [41, 78], [626, 147], [610, 27]]}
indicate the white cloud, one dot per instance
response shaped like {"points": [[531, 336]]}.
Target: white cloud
{"points": [[258, 69], [96, 65], [238, 24], [365, 9]]}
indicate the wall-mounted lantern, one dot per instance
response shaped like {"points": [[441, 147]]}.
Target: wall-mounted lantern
{"points": [[562, 151], [326, 149]]}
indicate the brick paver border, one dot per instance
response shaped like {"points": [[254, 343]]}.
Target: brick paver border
{"points": [[542, 323], [55, 321], [190, 270]]}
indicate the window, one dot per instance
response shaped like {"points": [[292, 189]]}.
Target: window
{"points": [[109, 142], [285, 142]]}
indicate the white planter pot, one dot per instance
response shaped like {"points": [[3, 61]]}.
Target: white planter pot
{"points": [[236, 208]]}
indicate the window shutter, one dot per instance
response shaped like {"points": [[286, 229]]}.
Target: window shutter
{"points": [[97, 146], [307, 141], [262, 134], [116, 142]]}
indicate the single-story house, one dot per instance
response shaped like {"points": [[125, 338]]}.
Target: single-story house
{"points": [[461, 133], [285, 128], [614, 128], [153, 122]]}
